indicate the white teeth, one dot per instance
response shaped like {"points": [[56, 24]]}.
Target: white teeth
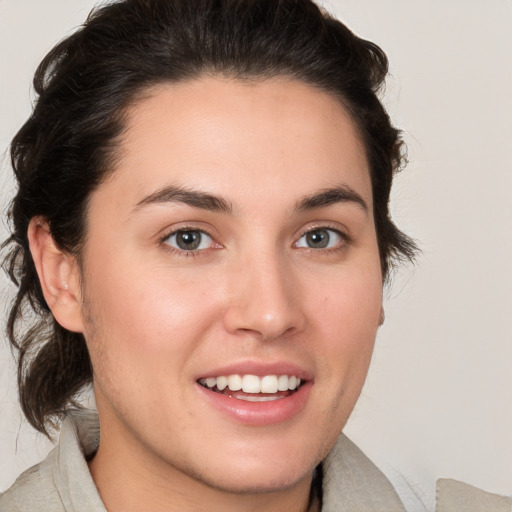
{"points": [[269, 384], [222, 382], [235, 382], [256, 398], [252, 383], [282, 383], [211, 381]]}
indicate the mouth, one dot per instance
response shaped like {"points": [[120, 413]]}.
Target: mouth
{"points": [[253, 388], [257, 394]]}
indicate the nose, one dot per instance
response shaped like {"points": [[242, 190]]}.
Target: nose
{"points": [[264, 299]]}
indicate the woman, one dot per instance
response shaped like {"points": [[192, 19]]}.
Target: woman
{"points": [[202, 227]]}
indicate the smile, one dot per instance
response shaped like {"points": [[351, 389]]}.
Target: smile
{"points": [[260, 397], [253, 388]]}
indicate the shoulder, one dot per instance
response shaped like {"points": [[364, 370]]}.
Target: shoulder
{"points": [[452, 496], [34, 490], [352, 482], [62, 482]]}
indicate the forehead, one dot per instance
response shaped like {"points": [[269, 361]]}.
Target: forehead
{"points": [[229, 136]]}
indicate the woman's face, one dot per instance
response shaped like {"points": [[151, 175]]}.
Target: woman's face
{"points": [[233, 245]]}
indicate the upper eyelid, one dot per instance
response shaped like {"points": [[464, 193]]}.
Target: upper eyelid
{"points": [[185, 230], [320, 226], [335, 230], [166, 233]]}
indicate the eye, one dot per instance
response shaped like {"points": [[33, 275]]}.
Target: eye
{"points": [[322, 238], [189, 240]]}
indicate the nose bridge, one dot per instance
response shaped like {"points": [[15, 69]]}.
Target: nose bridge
{"points": [[263, 299]]}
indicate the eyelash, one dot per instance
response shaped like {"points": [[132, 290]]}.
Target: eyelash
{"points": [[200, 252], [345, 239], [181, 252]]}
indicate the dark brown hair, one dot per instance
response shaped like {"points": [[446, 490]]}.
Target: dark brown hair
{"points": [[84, 85]]}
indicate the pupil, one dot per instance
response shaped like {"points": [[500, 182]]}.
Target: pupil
{"points": [[318, 239], [188, 240]]}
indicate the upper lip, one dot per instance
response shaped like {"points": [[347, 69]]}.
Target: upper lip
{"points": [[258, 368]]}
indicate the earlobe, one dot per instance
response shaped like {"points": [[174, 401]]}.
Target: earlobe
{"points": [[58, 275], [382, 316]]}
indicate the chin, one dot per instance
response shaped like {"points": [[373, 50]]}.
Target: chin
{"points": [[268, 480], [246, 468]]}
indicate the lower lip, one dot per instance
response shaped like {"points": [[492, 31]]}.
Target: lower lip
{"points": [[259, 413]]}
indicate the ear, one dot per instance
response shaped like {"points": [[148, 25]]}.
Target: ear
{"points": [[58, 274]]}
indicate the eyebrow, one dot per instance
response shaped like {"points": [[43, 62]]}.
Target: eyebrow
{"points": [[330, 196], [205, 201], [197, 199]]}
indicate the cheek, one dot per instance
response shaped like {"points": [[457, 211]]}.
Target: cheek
{"points": [[346, 322], [135, 295], [347, 318], [155, 317], [351, 305]]}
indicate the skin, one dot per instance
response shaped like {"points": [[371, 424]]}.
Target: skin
{"points": [[155, 317]]}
